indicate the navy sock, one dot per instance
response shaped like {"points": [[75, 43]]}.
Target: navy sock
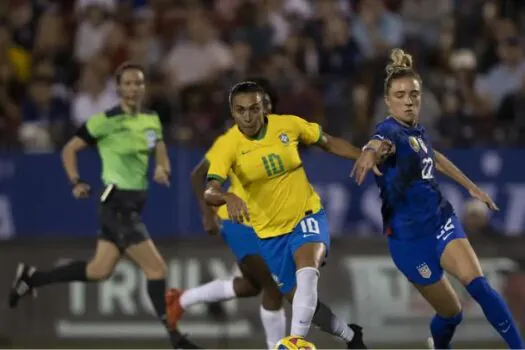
{"points": [[443, 328], [74, 271], [156, 291], [496, 312]]}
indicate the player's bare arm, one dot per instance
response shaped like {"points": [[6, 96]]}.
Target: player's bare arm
{"points": [[198, 180], [343, 148], [216, 196], [446, 167], [339, 147], [69, 162], [163, 167]]}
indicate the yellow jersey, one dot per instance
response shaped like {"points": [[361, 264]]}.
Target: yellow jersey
{"points": [[270, 170], [235, 185]]}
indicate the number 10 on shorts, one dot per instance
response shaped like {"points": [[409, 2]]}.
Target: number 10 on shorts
{"points": [[310, 226]]}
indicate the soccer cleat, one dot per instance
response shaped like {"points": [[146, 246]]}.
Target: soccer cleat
{"points": [[174, 310], [357, 341], [179, 341], [21, 286]]}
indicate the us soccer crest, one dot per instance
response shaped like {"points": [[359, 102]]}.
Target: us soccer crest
{"points": [[422, 144], [284, 138], [412, 141], [424, 270]]}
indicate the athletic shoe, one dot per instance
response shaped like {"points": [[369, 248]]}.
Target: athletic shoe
{"points": [[357, 341], [174, 310], [21, 286]]}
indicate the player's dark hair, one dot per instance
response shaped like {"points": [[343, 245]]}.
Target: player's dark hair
{"points": [[127, 66], [245, 87], [270, 91], [400, 66]]}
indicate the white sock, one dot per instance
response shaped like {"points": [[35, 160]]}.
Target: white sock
{"points": [[216, 290], [304, 300], [325, 319], [274, 323]]}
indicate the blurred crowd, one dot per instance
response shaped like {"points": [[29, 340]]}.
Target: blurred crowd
{"points": [[325, 58]]}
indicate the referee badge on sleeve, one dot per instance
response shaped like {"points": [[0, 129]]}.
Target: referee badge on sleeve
{"points": [[424, 270], [151, 138]]}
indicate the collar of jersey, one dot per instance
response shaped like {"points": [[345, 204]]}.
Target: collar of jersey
{"points": [[118, 111], [262, 133]]}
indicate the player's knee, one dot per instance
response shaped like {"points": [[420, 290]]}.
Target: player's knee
{"points": [[156, 271], [245, 288], [98, 272], [310, 255]]}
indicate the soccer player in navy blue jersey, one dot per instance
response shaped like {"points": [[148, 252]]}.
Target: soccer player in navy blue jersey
{"points": [[424, 234]]}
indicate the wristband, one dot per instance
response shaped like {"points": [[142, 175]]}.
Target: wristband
{"points": [[368, 148]]}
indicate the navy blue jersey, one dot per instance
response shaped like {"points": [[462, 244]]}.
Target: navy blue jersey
{"points": [[413, 205]]}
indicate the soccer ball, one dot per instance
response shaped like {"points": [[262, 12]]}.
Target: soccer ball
{"points": [[294, 343]]}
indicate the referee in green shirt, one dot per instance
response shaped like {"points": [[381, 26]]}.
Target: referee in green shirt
{"points": [[125, 137]]}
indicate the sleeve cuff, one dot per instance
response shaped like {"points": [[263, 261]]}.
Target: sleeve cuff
{"points": [[216, 177], [320, 139]]}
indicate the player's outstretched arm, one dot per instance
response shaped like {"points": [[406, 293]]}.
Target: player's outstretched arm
{"points": [[216, 196], [445, 166], [338, 146]]}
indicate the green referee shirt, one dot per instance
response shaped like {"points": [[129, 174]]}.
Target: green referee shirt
{"points": [[124, 142]]}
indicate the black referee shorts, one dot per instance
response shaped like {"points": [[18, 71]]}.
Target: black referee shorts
{"points": [[120, 221]]}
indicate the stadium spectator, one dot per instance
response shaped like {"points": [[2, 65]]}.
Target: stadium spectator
{"points": [[511, 115], [94, 95], [94, 26], [200, 57], [376, 29]]}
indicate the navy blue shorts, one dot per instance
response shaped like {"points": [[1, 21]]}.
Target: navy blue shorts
{"points": [[419, 259], [278, 251], [241, 239]]}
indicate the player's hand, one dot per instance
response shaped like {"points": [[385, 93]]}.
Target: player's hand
{"points": [[385, 150], [81, 190], [484, 197], [237, 209], [161, 176], [210, 222], [365, 163]]}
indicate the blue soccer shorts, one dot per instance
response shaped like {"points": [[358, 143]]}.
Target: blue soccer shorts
{"points": [[278, 251], [419, 259], [241, 239]]}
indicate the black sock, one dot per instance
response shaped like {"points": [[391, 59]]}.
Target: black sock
{"points": [[74, 271], [157, 291]]}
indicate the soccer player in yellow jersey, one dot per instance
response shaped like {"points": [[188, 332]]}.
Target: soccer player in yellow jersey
{"points": [[242, 241], [280, 203]]}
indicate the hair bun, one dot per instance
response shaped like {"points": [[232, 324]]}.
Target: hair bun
{"points": [[398, 60]]}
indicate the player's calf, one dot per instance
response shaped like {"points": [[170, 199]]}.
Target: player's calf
{"points": [[496, 311], [443, 328], [351, 334]]}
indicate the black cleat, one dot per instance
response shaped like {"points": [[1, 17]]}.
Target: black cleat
{"points": [[21, 287], [357, 341], [179, 341]]}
